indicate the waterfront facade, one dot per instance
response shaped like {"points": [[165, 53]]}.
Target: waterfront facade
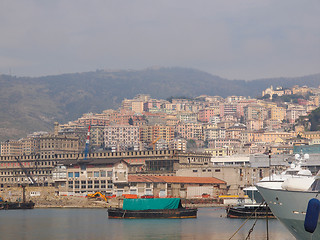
{"points": [[16, 170]]}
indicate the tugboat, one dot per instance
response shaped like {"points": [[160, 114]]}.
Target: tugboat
{"points": [[152, 208]]}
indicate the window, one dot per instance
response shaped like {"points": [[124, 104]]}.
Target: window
{"points": [[133, 191], [109, 174], [217, 170], [70, 184], [194, 170], [76, 184], [89, 184], [315, 185], [96, 183], [83, 184], [102, 173], [76, 174], [96, 174], [103, 183], [89, 174], [70, 174]]}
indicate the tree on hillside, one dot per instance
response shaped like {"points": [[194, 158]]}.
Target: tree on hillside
{"points": [[314, 119], [191, 144], [130, 121]]}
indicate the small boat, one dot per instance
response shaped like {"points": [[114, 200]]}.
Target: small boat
{"points": [[152, 208], [249, 210]]}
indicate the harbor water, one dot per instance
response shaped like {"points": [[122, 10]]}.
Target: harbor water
{"points": [[78, 224]]}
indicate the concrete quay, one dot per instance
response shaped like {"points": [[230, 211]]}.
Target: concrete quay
{"points": [[45, 197]]}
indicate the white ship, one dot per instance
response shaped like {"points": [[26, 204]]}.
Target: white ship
{"points": [[290, 201], [275, 181]]}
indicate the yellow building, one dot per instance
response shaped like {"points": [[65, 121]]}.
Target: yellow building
{"points": [[300, 90], [219, 152], [149, 134], [277, 113], [275, 137], [137, 106], [311, 135]]}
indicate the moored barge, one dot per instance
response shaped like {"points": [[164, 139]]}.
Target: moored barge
{"points": [[16, 205], [152, 208], [250, 210]]}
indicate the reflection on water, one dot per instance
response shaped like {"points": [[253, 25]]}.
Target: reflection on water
{"points": [[72, 224]]}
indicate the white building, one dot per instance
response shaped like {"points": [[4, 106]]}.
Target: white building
{"points": [[121, 137]]}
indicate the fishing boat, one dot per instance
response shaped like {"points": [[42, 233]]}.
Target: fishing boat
{"points": [[152, 208]]}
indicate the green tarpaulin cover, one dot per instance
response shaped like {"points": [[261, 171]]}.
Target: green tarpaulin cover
{"points": [[151, 203]]}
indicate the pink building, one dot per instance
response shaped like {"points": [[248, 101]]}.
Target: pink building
{"points": [[206, 114]]}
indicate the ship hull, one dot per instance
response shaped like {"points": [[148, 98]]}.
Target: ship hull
{"points": [[249, 212], [16, 205], [290, 208], [163, 213]]}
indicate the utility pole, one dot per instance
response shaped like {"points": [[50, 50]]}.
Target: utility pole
{"points": [[270, 165]]}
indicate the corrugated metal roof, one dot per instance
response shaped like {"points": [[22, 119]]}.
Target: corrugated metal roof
{"points": [[175, 179], [145, 178]]}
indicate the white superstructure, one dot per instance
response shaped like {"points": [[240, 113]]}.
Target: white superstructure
{"points": [[287, 178]]}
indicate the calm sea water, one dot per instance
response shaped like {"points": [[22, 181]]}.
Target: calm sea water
{"points": [[76, 224]]}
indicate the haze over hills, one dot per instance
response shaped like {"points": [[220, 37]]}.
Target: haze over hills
{"points": [[33, 104]]}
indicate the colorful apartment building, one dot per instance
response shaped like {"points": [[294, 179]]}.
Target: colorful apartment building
{"points": [[294, 112], [228, 109], [206, 114], [149, 134], [214, 133], [190, 131], [121, 137], [187, 116], [277, 113]]}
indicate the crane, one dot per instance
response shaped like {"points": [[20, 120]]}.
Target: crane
{"points": [[29, 176], [154, 143], [86, 151]]}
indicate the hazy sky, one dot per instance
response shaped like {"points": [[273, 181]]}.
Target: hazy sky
{"points": [[235, 39]]}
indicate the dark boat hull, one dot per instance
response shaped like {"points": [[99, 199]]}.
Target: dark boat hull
{"points": [[163, 213], [16, 205], [245, 212]]}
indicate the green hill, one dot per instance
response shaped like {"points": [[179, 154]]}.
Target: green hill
{"points": [[33, 104]]}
